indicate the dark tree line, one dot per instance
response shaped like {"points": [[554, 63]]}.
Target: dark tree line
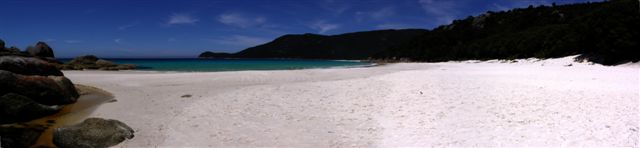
{"points": [[357, 45], [603, 32]]}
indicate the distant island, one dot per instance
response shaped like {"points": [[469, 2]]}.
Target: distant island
{"points": [[602, 32]]}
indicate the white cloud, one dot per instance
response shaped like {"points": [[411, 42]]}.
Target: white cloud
{"points": [[444, 11], [181, 18], [72, 41], [239, 40], [239, 20], [323, 27]]}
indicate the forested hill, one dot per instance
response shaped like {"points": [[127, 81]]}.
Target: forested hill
{"points": [[603, 32], [358, 45]]}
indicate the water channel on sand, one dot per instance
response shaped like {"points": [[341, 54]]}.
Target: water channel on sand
{"points": [[90, 98]]}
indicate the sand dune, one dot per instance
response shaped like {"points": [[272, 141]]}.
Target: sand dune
{"points": [[471, 103]]}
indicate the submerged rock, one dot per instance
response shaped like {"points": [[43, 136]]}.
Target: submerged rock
{"points": [[93, 62], [52, 90], [104, 63], [18, 108], [92, 132], [28, 66], [87, 59]]}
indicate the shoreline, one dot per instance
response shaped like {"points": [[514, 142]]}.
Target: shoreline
{"points": [[399, 104], [173, 71]]}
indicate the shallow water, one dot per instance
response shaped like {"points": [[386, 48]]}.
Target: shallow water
{"points": [[90, 98], [201, 65]]}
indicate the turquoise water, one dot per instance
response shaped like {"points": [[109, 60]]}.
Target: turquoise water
{"points": [[231, 64]]}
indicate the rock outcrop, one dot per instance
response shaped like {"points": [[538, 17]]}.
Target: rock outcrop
{"points": [[17, 108], [92, 132], [93, 62], [41, 50], [47, 90], [31, 87], [8, 50], [28, 66]]}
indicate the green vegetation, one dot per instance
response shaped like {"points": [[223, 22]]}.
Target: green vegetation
{"points": [[605, 32]]}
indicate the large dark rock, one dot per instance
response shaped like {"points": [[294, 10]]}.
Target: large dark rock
{"points": [[28, 66], [41, 50], [66, 85], [19, 137], [17, 108], [92, 132], [44, 90]]}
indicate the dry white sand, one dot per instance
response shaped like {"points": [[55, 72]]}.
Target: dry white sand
{"points": [[492, 103]]}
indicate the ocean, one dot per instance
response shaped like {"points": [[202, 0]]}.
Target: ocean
{"points": [[210, 65]]}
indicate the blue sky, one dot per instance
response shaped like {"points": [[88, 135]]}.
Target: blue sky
{"points": [[185, 28]]}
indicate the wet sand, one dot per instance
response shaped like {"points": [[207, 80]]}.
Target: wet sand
{"points": [[90, 99]]}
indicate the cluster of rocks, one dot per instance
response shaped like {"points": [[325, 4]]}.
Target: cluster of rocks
{"points": [[32, 87], [93, 62], [44, 52]]}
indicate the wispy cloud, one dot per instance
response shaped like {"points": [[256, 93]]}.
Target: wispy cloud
{"points": [[181, 18], [239, 20], [118, 40], [323, 27], [238, 40], [72, 41], [127, 26], [380, 14], [444, 11], [336, 7]]}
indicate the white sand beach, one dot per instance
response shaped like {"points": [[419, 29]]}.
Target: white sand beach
{"points": [[491, 103]]}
